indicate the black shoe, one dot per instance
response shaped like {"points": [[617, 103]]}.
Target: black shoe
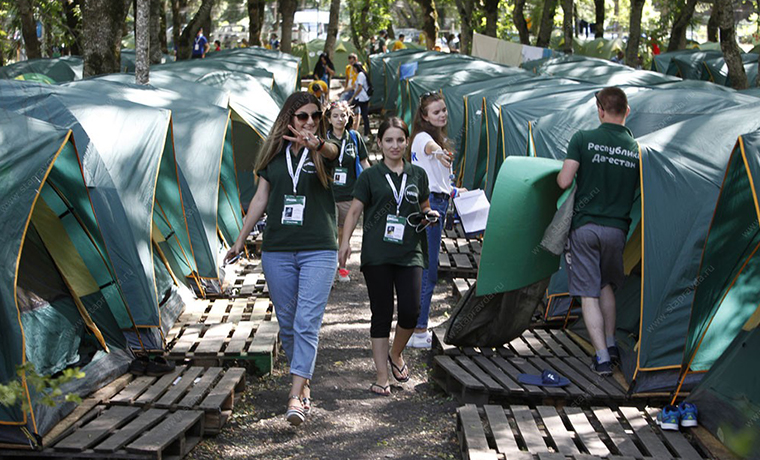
{"points": [[160, 366], [138, 365], [614, 352], [604, 369]]}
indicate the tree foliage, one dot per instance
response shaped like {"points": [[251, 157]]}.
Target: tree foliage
{"points": [[46, 387], [367, 17]]}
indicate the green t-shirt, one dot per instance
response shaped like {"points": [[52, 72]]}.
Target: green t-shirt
{"points": [[373, 190], [608, 175], [351, 150], [318, 230]]}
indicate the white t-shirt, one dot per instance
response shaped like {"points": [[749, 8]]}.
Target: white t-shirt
{"points": [[438, 175], [361, 79]]}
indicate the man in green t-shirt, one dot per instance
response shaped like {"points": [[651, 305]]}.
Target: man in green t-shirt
{"points": [[605, 165]]}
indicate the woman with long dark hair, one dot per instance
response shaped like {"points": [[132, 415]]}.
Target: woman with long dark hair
{"points": [[299, 252], [361, 96], [324, 69], [393, 195], [430, 149]]}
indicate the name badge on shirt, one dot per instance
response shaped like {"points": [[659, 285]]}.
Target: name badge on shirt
{"points": [[394, 229], [341, 175], [197, 47], [292, 211]]}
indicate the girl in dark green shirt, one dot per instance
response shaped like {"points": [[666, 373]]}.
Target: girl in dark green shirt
{"points": [[299, 253], [394, 197]]}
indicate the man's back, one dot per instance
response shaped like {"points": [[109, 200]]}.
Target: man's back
{"points": [[608, 175]]}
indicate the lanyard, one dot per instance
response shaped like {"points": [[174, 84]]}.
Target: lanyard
{"points": [[398, 195], [342, 147], [294, 176]]}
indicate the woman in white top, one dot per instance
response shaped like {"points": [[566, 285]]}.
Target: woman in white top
{"points": [[361, 97], [430, 149]]}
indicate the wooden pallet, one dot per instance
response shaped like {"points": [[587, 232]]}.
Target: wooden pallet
{"points": [[548, 433], [224, 310], [460, 256], [486, 375], [250, 344], [460, 286], [458, 232], [211, 390], [125, 432], [254, 243], [247, 281]]}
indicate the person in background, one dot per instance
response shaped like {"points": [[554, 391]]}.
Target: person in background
{"points": [[274, 42], [299, 253], [319, 89], [392, 195], [217, 45], [619, 57], [339, 121], [431, 150], [381, 46], [399, 44], [350, 83], [453, 43], [605, 165], [361, 96], [324, 69], [200, 45], [244, 43]]}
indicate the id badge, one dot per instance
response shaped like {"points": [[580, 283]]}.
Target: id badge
{"points": [[394, 229], [197, 47], [292, 211], [341, 174]]}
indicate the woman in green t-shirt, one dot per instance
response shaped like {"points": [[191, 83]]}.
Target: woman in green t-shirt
{"points": [[394, 197], [299, 252], [353, 152]]}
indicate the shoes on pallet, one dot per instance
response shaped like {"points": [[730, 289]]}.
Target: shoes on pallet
{"points": [[601, 368], [669, 418], [614, 352], [159, 366], [138, 365], [688, 412]]}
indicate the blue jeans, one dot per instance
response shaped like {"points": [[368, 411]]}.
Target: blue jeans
{"points": [[299, 284], [430, 275]]}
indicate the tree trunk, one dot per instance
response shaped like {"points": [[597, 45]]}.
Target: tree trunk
{"points": [[29, 29], [255, 21], [143, 39], [103, 25], [518, 16], [634, 36], [74, 26], [729, 46], [47, 37], [176, 23], [599, 26], [680, 24], [465, 7], [430, 22], [568, 25], [712, 24], [288, 12], [185, 48], [547, 23], [154, 30], [492, 16], [332, 28], [162, 28]]}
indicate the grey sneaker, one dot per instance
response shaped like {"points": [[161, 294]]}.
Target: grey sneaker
{"points": [[604, 369]]}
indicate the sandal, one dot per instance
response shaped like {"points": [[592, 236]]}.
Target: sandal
{"points": [[401, 370], [295, 415], [386, 390], [306, 401]]}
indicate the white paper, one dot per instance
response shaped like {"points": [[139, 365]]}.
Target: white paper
{"points": [[473, 207]]}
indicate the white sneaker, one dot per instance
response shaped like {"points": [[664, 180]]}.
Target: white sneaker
{"points": [[343, 275], [421, 340]]}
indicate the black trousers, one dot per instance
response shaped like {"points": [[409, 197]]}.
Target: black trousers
{"points": [[364, 107], [381, 281]]}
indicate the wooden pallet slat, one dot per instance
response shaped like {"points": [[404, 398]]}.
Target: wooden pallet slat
{"points": [[586, 432], [644, 432], [616, 432], [133, 391], [557, 431], [240, 337], [89, 435], [675, 440], [199, 390], [176, 435], [499, 375], [475, 444], [528, 429], [474, 370], [131, 431], [157, 389], [502, 432], [178, 388], [212, 341]]}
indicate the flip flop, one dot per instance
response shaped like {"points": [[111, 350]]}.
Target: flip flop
{"points": [[386, 389], [400, 370]]}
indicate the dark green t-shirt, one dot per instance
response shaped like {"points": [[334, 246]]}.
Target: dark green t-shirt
{"points": [[608, 175], [373, 190], [319, 230], [354, 146]]}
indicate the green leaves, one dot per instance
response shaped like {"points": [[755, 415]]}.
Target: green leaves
{"points": [[47, 388]]}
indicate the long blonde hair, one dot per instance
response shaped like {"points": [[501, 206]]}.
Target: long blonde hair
{"points": [[420, 124], [274, 143]]}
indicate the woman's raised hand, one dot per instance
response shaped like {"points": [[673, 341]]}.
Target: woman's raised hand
{"points": [[445, 157], [305, 138]]}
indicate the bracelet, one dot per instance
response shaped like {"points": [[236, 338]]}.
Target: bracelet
{"points": [[321, 144]]}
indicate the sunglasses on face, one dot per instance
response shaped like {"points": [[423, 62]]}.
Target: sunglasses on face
{"points": [[303, 116]]}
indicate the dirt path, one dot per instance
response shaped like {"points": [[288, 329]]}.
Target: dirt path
{"points": [[347, 421]]}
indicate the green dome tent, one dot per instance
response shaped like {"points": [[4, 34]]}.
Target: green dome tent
{"points": [[63, 69], [58, 277], [35, 77], [691, 65], [378, 78], [716, 70], [602, 48], [309, 53]]}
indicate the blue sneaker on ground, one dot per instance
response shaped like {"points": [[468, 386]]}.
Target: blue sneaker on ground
{"points": [[688, 412], [604, 369], [669, 418], [614, 352]]}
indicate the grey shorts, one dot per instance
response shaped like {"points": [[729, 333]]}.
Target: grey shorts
{"points": [[594, 259]]}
